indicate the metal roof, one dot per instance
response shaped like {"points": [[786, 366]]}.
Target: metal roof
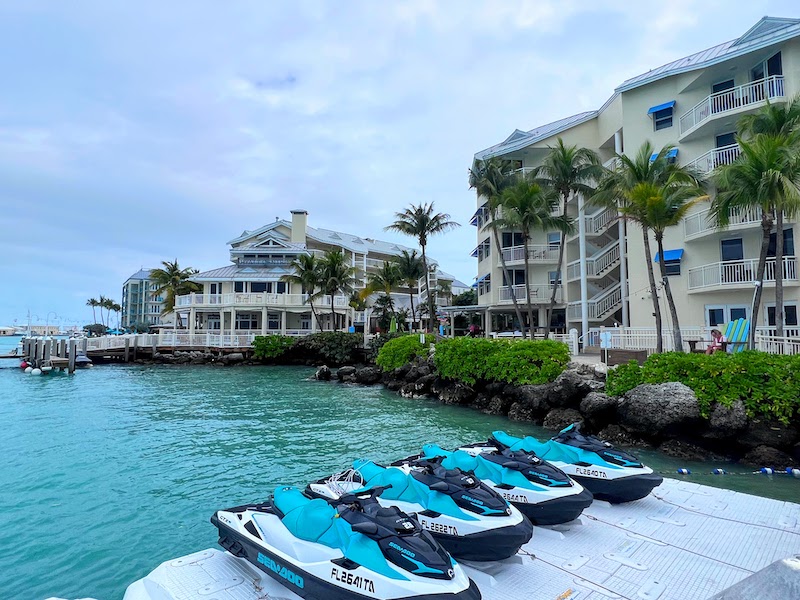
{"points": [[244, 273], [140, 274]]}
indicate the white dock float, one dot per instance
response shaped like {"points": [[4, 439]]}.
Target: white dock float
{"points": [[683, 542]]}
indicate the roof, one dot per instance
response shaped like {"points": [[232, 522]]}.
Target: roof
{"points": [[768, 31], [245, 273], [140, 274]]}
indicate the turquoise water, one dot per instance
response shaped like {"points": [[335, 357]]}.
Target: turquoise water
{"points": [[113, 470]]}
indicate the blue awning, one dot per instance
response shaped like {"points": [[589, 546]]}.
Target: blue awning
{"points": [[673, 153], [487, 276], [670, 255], [659, 107]]}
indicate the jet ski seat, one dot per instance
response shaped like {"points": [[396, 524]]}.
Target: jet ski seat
{"points": [[483, 469], [526, 444], [307, 519]]}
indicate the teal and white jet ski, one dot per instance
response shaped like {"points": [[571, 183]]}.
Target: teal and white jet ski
{"points": [[469, 519], [348, 549], [609, 473]]}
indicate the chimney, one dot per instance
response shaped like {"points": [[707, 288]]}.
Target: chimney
{"points": [[299, 223]]}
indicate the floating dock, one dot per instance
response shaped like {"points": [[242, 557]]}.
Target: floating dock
{"points": [[683, 542]]}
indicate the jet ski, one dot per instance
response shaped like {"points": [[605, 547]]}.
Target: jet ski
{"points": [[609, 473], [543, 493], [465, 516], [350, 548]]}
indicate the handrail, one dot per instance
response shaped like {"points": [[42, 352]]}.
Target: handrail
{"points": [[738, 272], [604, 258], [714, 158]]}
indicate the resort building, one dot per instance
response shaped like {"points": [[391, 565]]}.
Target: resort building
{"points": [[140, 303], [692, 103], [249, 294]]}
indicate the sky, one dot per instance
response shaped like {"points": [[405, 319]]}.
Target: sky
{"points": [[132, 133]]}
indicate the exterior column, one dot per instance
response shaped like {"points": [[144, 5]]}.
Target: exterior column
{"points": [[233, 321], [313, 323], [623, 259], [192, 317], [452, 324], [283, 322], [264, 320], [582, 251], [487, 317]]}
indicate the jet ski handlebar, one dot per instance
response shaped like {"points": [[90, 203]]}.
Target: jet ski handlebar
{"points": [[361, 496]]}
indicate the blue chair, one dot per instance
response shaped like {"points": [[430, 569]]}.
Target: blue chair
{"points": [[736, 335]]}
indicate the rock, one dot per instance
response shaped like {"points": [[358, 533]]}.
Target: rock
{"points": [[343, 372], [657, 410], [567, 390], [686, 451], [581, 368], [498, 405], [726, 422], [494, 389], [456, 393], [480, 402], [559, 418], [601, 371], [323, 373], [393, 384], [368, 375], [415, 373], [599, 408], [400, 372], [233, 357], [594, 385], [617, 435], [423, 384], [533, 398], [767, 432], [766, 456], [197, 361], [518, 411]]}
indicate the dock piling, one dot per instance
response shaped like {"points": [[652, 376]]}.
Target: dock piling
{"points": [[73, 351], [127, 350]]}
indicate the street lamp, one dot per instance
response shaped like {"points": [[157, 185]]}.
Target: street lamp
{"points": [[47, 321]]}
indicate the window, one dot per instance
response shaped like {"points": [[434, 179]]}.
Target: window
{"points": [[662, 119], [246, 321], [238, 286], [554, 276], [485, 285], [789, 315], [788, 243], [258, 287], [726, 139], [517, 275], [731, 249], [720, 315], [281, 287], [511, 239], [738, 313], [553, 239], [722, 86], [273, 321], [672, 267], [716, 316]]}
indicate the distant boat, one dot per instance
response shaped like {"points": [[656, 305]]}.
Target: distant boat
{"points": [[6, 331]]}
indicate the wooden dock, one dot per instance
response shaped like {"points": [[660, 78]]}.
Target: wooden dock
{"points": [[58, 354]]}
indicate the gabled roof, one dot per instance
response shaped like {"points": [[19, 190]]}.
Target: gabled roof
{"points": [[140, 274], [244, 273], [255, 232], [768, 31]]}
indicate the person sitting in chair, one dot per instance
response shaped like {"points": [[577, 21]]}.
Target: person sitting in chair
{"points": [[716, 341]]}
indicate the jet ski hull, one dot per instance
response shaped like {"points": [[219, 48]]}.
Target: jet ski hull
{"points": [[620, 489], [311, 586], [557, 510], [484, 546]]}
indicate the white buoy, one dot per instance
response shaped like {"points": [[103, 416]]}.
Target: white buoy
{"points": [[46, 369], [36, 372], [28, 369]]}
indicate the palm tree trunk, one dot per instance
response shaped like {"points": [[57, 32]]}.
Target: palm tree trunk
{"points": [[766, 229], [314, 312], [779, 273], [411, 299], [333, 314], [648, 256], [552, 305], [507, 273], [527, 283], [677, 342], [431, 308], [94, 315]]}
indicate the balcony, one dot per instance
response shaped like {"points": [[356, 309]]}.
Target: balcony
{"points": [[700, 224], [734, 100], [597, 265], [540, 294], [537, 253], [257, 300], [599, 307], [737, 274], [714, 158]]}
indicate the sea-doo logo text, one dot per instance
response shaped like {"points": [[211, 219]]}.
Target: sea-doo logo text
{"points": [[356, 581], [591, 473], [471, 499], [402, 550], [438, 527], [281, 571]]}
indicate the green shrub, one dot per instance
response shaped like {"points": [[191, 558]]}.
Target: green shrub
{"points": [[377, 342], [396, 352], [271, 346], [478, 359], [334, 347], [768, 384]]}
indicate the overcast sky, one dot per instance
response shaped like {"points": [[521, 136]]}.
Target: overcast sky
{"points": [[132, 133]]}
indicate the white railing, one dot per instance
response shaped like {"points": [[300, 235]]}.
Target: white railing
{"points": [[260, 299], [598, 307], [701, 222], [605, 258], [714, 158], [611, 163], [732, 99], [540, 294], [777, 345], [738, 272], [598, 223], [536, 253], [375, 263]]}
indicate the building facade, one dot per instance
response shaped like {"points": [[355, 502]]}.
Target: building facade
{"points": [[140, 302], [693, 104], [249, 295]]}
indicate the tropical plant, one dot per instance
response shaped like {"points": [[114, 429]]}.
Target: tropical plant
{"points": [[420, 221], [384, 311], [637, 187], [94, 303], [468, 298], [402, 350], [445, 290], [568, 170], [337, 276], [489, 178], [765, 176], [173, 281], [528, 206], [267, 347], [385, 280], [307, 273], [411, 271]]}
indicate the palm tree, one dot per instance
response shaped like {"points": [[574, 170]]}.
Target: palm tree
{"points": [[568, 170], [765, 176], [94, 303], [386, 279], [307, 273], [337, 276], [628, 188], [103, 303], [421, 222], [445, 290], [489, 178], [174, 281], [530, 207], [411, 271]]}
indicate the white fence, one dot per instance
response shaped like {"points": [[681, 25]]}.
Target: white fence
{"points": [[258, 299], [570, 339]]}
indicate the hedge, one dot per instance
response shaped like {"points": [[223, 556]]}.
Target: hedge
{"points": [[398, 351], [271, 346], [768, 384], [505, 361], [333, 347]]}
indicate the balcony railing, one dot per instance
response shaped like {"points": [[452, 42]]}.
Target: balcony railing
{"points": [[255, 300], [715, 158], [536, 253], [596, 265], [540, 294], [699, 223], [733, 99], [599, 306], [738, 273]]}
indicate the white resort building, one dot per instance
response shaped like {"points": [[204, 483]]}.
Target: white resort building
{"points": [[140, 303], [249, 297], [692, 103]]}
